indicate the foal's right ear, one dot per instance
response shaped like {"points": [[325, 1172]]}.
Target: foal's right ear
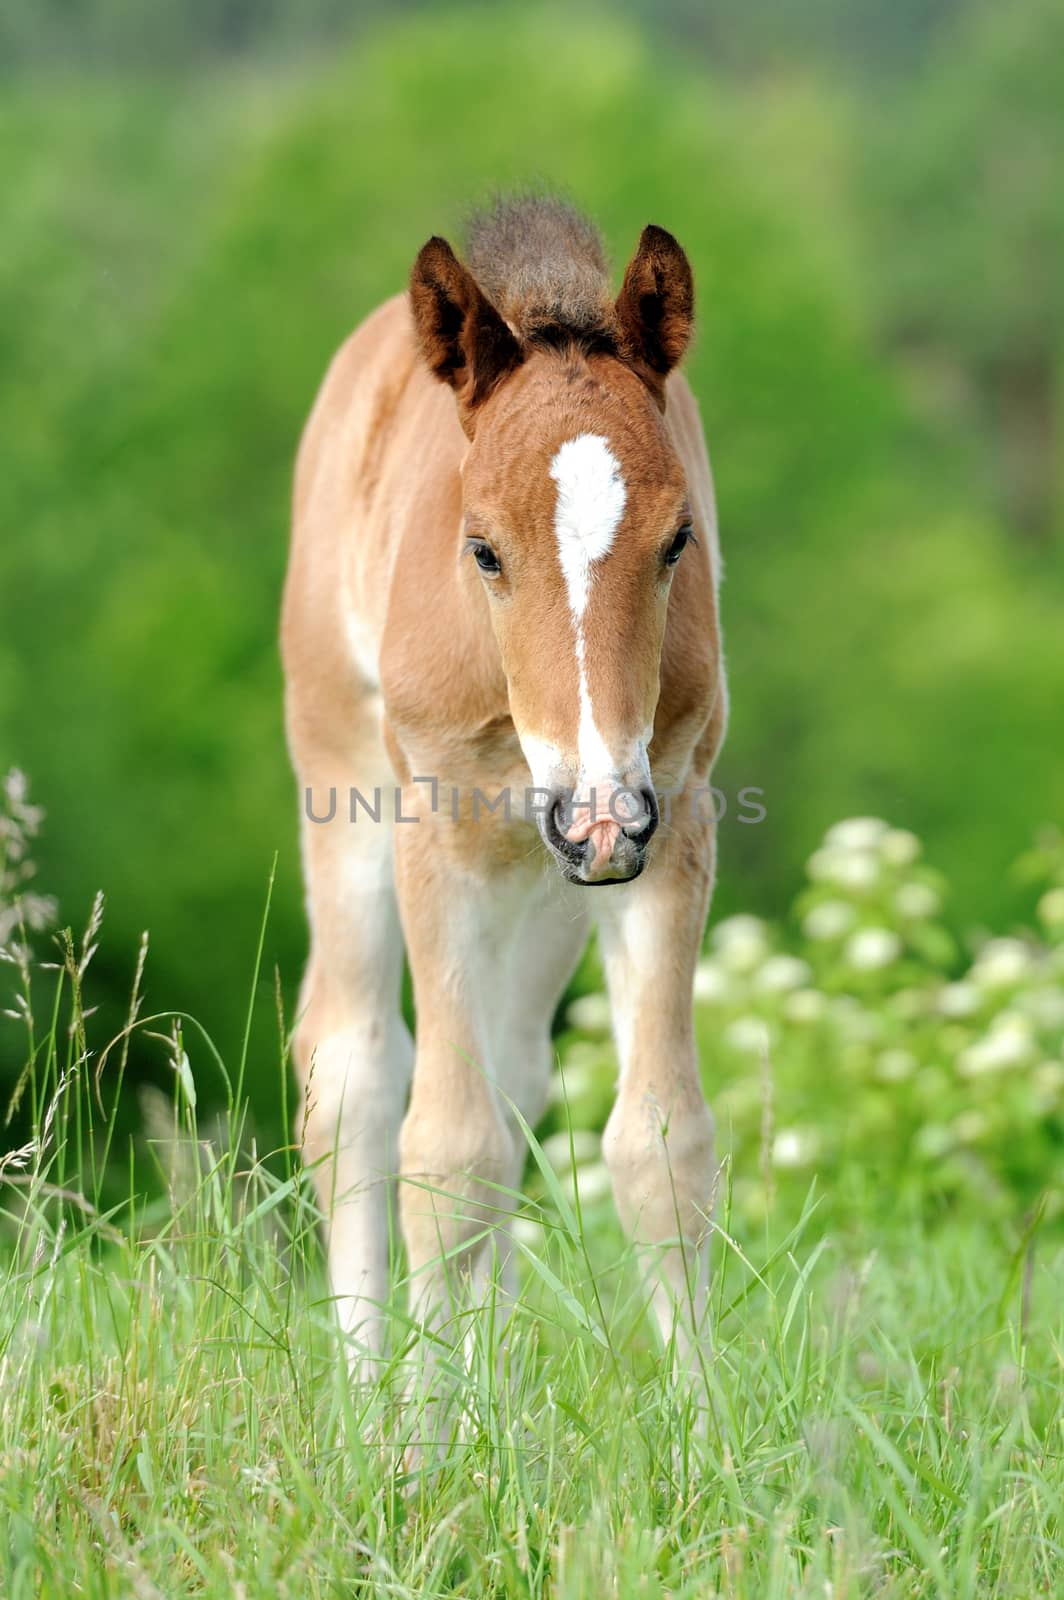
{"points": [[460, 334]]}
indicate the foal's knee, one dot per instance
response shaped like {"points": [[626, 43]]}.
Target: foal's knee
{"points": [[452, 1166], [662, 1167]]}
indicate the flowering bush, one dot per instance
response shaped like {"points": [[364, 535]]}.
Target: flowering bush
{"points": [[866, 1050]]}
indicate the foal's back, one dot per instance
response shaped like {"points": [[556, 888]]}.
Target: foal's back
{"points": [[382, 446]]}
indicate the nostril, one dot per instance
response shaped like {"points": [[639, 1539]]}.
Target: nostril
{"points": [[558, 820], [644, 832]]}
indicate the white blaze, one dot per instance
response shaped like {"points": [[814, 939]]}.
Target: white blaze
{"points": [[587, 514]]}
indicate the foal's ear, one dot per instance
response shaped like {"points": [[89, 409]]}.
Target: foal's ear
{"points": [[656, 308], [462, 337]]}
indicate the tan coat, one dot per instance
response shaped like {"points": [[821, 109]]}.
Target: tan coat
{"points": [[502, 581]]}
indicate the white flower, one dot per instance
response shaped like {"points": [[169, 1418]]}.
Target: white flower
{"points": [[794, 1147], [1011, 1020], [916, 900], [590, 1012], [894, 1066], [527, 1231], [804, 1005], [829, 920], [748, 1034], [959, 999], [586, 1147], [846, 869], [576, 1080], [1001, 963], [1051, 908], [856, 833], [899, 847], [593, 1182], [590, 1054], [857, 872], [712, 984], [821, 865], [871, 948], [741, 943], [1008, 1044], [970, 1126], [781, 974]]}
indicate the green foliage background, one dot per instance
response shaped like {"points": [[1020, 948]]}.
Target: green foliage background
{"points": [[197, 213]]}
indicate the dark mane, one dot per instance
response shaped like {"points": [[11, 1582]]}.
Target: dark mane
{"points": [[543, 266]]}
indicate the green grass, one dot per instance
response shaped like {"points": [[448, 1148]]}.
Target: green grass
{"points": [[883, 1412], [880, 1411], [880, 1407]]}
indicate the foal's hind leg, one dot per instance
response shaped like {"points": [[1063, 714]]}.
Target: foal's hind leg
{"points": [[540, 936], [487, 971], [353, 1051], [489, 951]]}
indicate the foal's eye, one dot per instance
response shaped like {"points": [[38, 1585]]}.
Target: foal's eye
{"points": [[485, 558], [682, 538]]}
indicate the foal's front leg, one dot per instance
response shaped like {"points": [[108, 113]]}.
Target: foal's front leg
{"points": [[658, 1142], [456, 1153]]}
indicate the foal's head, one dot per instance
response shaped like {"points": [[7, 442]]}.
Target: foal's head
{"points": [[575, 517]]}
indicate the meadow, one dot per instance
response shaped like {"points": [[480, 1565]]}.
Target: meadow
{"points": [[879, 1409], [206, 196]]}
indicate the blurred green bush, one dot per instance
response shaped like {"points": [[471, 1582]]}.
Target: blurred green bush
{"points": [[182, 255], [838, 1048]]}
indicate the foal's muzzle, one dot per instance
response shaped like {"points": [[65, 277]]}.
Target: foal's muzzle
{"points": [[580, 859]]}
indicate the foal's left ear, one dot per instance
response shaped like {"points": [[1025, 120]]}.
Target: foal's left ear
{"points": [[462, 337], [656, 308]]}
